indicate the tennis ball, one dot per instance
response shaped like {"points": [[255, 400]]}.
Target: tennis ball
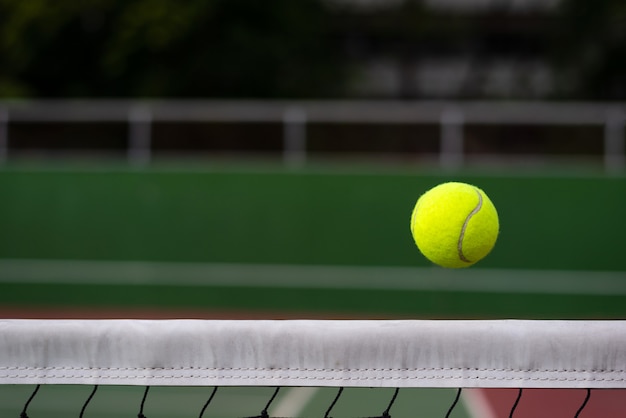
{"points": [[454, 224]]}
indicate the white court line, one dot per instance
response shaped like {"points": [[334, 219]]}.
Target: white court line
{"points": [[476, 403], [311, 276], [292, 404]]}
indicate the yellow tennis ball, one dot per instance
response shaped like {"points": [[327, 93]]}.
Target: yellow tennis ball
{"points": [[454, 224]]}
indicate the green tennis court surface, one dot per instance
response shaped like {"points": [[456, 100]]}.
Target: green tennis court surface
{"points": [[162, 402], [300, 290]]}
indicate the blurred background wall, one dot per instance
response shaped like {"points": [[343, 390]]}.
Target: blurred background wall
{"points": [[442, 50], [302, 132], [477, 49]]}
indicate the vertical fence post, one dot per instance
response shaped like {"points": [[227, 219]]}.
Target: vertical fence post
{"points": [[614, 147], [140, 135], [451, 141], [294, 137], [4, 135]]}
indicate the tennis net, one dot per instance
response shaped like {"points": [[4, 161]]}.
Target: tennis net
{"points": [[277, 356]]}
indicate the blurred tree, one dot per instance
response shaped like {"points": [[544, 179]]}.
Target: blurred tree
{"points": [[590, 50], [289, 48], [168, 48]]}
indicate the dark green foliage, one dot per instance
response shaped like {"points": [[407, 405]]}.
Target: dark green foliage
{"points": [[590, 50], [167, 48]]}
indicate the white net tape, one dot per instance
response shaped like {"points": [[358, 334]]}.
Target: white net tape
{"points": [[361, 353]]}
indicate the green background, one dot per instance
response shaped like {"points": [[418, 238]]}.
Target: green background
{"points": [[297, 217], [271, 215]]}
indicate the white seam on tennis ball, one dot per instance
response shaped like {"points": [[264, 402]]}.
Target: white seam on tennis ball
{"points": [[471, 214]]}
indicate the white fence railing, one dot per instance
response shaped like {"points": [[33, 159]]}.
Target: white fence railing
{"points": [[295, 115]]}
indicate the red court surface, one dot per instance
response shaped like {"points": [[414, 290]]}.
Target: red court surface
{"points": [[548, 403]]}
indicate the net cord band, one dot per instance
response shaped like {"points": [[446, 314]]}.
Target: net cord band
{"points": [[332, 353]]}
